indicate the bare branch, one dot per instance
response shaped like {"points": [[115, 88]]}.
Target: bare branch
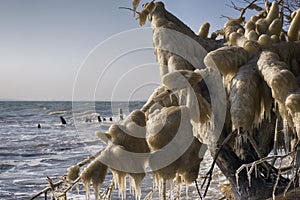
{"points": [[199, 193], [106, 194], [253, 165], [234, 7], [47, 189], [126, 8], [210, 171], [223, 16], [244, 10], [70, 187]]}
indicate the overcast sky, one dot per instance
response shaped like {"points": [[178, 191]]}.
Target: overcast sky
{"points": [[59, 49]]}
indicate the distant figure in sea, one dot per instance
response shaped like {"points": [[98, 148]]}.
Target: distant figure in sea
{"points": [[99, 118], [88, 120], [110, 119], [39, 125], [104, 119], [121, 113], [63, 121]]}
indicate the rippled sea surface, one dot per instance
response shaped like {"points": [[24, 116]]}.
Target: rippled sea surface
{"points": [[29, 154]]}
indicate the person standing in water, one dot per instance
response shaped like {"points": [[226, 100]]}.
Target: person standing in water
{"points": [[99, 119], [121, 113], [63, 121]]}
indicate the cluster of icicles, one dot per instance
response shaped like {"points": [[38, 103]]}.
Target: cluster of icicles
{"points": [[146, 131], [258, 66]]}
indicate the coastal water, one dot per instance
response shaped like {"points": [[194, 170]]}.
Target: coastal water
{"points": [[29, 154]]}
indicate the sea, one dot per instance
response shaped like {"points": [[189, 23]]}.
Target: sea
{"points": [[28, 154]]}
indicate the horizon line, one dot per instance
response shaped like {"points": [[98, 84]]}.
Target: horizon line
{"points": [[73, 100]]}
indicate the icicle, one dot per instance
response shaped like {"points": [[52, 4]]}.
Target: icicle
{"points": [[122, 187], [287, 141], [297, 122], [179, 189], [202, 131], [95, 172], [120, 182], [155, 181], [86, 184], [73, 173], [171, 189], [135, 184], [186, 191], [131, 186], [275, 146], [98, 177], [178, 182], [182, 97], [292, 104], [160, 188], [239, 140], [244, 99]]}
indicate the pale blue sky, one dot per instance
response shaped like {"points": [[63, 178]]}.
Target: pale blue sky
{"points": [[43, 44]]}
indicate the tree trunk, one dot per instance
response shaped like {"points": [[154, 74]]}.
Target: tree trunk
{"points": [[228, 160], [261, 186]]}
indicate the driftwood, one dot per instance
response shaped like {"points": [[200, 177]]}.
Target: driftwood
{"points": [[57, 184], [45, 190]]}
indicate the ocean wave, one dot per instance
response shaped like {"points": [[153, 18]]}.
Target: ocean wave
{"points": [[27, 115], [5, 167], [58, 112]]}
